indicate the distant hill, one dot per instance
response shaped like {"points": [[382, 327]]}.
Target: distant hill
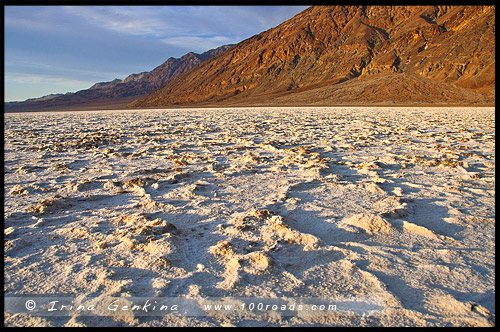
{"points": [[329, 55], [118, 92]]}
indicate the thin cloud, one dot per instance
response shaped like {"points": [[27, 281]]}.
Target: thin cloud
{"points": [[24, 78], [37, 68], [197, 44], [178, 21], [129, 20]]}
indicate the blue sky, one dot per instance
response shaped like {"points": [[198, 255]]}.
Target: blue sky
{"points": [[59, 49]]}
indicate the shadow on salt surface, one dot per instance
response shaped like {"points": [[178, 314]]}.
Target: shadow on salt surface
{"points": [[302, 187], [138, 282], [106, 177], [22, 169], [487, 299], [293, 258], [194, 236], [62, 210], [427, 213], [343, 172], [96, 202], [432, 298], [411, 298], [207, 280], [311, 222]]}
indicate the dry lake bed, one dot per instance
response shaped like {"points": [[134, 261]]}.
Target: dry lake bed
{"points": [[391, 206]]}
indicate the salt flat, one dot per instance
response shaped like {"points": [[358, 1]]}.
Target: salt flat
{"points": [[394, 204]]}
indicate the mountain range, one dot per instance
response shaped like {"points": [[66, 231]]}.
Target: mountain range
{"points": [[351, 55], [328, 55], [118, 93]]}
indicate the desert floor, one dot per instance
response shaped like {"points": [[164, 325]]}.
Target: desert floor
{"points": [[390, 204]]}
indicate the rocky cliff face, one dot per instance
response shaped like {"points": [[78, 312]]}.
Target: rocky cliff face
{"points": [[119, 92], [351, 54]]}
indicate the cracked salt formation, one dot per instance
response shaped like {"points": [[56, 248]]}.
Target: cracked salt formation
{"points": [[389, 203]]}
